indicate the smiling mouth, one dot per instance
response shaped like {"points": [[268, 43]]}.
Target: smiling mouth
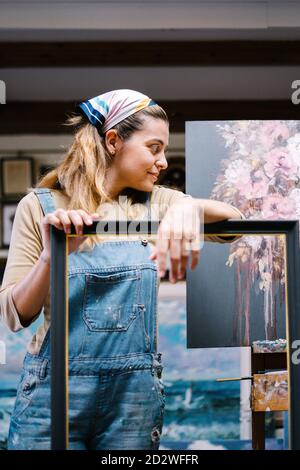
{"points": [[153, 176]]}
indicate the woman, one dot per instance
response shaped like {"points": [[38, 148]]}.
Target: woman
{"points": [[116, 394]]}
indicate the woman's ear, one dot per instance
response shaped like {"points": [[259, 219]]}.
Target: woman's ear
{"points": [[111, 141]]}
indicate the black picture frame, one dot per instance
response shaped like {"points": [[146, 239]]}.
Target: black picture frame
{"points": [[17, 174], [8, 209], [59, 310]]}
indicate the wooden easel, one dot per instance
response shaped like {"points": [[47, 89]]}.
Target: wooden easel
{"points": [[272, 357], [261, 362]]}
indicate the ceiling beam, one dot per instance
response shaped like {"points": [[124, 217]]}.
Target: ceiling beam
{"points": [[47, 118], [148, 53]]}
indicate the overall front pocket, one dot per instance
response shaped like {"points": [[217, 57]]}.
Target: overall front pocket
{"points": [[110, 300], [27, 389]]}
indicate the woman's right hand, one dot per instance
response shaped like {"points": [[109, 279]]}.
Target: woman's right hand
{"points": [[62, 220]]}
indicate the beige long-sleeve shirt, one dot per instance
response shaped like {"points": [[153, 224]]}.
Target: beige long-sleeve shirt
{"points": [[26, 246]]}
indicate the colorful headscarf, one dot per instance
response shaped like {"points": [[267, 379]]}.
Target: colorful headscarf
{"points": [[106, 110]]}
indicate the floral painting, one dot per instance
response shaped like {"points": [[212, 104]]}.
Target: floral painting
{"points": [[257, 169]]}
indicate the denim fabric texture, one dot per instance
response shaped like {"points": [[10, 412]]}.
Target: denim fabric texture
{"points": [[116, 397]]}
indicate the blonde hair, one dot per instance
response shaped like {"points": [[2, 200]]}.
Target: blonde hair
{"points": [[81, 173]]}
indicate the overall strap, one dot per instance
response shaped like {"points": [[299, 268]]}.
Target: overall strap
{"points": [[46, 199]]}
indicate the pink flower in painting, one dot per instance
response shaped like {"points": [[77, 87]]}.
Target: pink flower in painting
{"points": [[253, 241], [262, 173], [293, 145], [280, 160], [278, 207], [271, 132], [238, 172], [295, 196], [256, 188]]}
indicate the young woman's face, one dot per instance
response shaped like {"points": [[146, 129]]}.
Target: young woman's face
{"points": [[139, 156]]}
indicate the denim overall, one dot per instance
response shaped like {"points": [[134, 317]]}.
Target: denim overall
{"points": [[116, 395]]}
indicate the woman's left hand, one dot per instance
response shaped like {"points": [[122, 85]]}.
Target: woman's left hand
{"points": [[178, 233]]}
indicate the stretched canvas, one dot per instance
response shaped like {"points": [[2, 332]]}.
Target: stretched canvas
{"points": [[236, 295]]}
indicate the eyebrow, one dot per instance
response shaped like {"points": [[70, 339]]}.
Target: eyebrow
{"points": [[160, 141]]}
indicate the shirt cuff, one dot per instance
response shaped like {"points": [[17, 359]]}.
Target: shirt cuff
{"points": [[12, 316]]}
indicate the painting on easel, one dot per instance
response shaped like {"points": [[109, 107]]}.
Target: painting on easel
{"points": [[255, 166]]}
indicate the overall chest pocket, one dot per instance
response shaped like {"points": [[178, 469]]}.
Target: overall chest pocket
{"points": [[110, 300]]}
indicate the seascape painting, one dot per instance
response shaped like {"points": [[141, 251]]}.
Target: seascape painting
{"points": [[200, 412], [197, 407]]}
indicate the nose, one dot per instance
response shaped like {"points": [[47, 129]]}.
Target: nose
{"points": [[162, 162]]}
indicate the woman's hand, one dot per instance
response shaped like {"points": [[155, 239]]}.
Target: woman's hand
{"points": [[62, 220], [179, 233]]}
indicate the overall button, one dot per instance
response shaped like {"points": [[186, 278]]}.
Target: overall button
{"points": [[144, 241]]}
